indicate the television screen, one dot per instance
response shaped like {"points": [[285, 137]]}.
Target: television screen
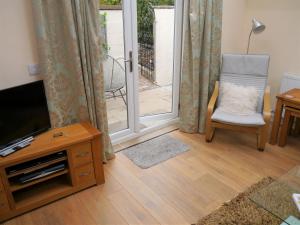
{"points": [[23, 112]]}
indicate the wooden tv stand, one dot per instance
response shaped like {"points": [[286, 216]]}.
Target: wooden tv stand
{"points": [[79, 148]]}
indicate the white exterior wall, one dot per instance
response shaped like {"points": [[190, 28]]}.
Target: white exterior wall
{"points": [[164, 45], [164, 41], [115, 37]]}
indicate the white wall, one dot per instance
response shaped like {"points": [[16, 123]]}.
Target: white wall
{"points": [[281, 39], [232, 26], [164, 45], [17, 43]]}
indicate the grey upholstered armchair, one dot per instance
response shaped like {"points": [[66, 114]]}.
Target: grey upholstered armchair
{"points": [[245, 70]]}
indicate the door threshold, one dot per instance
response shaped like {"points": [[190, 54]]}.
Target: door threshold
{"points": [[145, 135]]}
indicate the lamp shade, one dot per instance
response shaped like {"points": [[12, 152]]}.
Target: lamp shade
{"points": [[257, 26]]}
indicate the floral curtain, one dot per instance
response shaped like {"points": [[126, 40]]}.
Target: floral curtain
{"points": [[68, 34], [201, 60]]}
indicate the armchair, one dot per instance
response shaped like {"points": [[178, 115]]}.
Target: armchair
{"points": [[246, 70]]}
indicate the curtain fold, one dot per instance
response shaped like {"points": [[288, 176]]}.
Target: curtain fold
{"points": [[68, 35], [201, 61]]}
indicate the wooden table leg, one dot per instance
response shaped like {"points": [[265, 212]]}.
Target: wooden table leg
{"points": [[276, 122], [297, 128], [285, 128]]}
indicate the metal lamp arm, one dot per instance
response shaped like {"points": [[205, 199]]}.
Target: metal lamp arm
{"points": [[249, 39]]}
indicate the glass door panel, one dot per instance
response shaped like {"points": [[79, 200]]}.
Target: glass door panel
{"points": [[115, 76], [159, 30], [155, 31], [141, 65]]}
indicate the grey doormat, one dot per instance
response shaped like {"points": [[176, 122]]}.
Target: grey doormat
{"points": [[154, 151]]}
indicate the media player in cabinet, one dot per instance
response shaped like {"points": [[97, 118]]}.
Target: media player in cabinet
{"points": [[52, 167]]}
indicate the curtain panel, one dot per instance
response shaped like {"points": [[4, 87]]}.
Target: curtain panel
{"points": [[201, 61], [68, 35]]}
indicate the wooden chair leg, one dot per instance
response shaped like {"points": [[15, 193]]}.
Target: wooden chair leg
{"points": [[262, 137], [209, 133], [284, 128]]}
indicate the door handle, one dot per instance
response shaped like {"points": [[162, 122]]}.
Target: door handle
{"points": [[130, 61]]}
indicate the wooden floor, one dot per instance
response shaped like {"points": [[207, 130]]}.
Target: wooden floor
{"points": [[178, 191]]}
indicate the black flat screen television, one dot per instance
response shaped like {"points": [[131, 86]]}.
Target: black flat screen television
{"points": [[23, 113]]}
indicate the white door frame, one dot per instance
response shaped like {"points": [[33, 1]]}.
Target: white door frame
{"points": [[130, 44], [135, 65]]}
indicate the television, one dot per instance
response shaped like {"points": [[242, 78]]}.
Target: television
{"points": [[23, 113]]}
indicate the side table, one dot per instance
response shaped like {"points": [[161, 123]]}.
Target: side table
{"points": [[291, 99]]}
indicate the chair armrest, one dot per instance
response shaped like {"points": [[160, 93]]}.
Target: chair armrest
{"points": [[213, 100], [267, 104]]}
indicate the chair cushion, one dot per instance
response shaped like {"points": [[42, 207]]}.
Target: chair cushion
{"points": [[246, 80], [249, 120], [238, 100], [246, 70], [245, 64]]}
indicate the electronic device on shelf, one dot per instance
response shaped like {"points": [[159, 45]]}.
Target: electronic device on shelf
{"points": [[24, 178], [33, 163], [16, 147], [23, 114], [49, 170]]}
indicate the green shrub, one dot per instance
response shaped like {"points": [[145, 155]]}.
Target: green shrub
{"points": [[153, 2], [163, 2], [145, 20], [110, 2], [145, 16]]}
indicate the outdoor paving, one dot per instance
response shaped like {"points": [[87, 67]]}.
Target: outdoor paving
{"points": [[153, 100]]}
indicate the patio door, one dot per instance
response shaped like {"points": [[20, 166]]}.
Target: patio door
{"points": [[159, 30], [141, 65], [118, 65]]}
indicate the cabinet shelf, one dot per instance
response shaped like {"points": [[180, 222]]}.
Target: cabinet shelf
{"points": [[40, 166], [50, 169], [42, 191], [16, 187]]}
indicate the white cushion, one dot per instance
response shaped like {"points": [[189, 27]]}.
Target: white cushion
{"points": [[250, 120], [238, 100]]}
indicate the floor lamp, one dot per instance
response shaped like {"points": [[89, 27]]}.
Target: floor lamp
{"points": [[257, 27]]}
